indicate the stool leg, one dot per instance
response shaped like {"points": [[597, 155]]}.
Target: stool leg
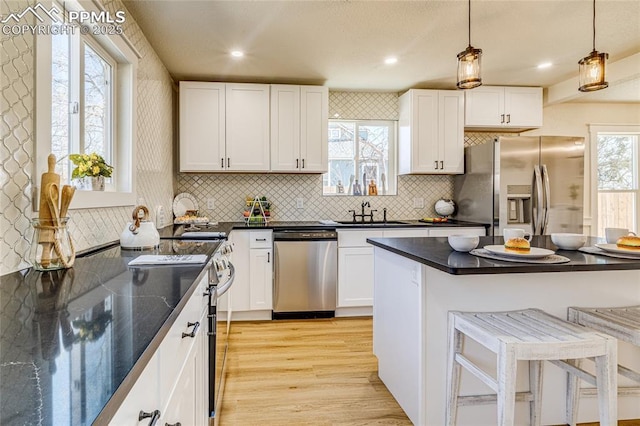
{"points": [[535, 387], [453, 372], [507, 369], [607, 381], [573, 393]]}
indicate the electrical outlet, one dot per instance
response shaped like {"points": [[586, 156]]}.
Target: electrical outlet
{"points": [[418, 203], [210, 204], [300, 203]]}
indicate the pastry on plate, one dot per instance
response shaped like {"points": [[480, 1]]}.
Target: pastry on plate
{"points": [[517, 245], [630, 242]]}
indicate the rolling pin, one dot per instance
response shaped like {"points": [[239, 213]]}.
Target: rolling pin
{"points": [[44, 214]]}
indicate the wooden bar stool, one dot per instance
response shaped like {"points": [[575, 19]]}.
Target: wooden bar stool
{"points": [[535, 336], [623, 324]]}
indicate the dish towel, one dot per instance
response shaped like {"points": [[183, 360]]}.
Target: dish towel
{"points": [[172, 259], [552, 258], [596, 250]]}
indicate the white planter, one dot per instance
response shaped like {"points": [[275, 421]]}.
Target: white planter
{"points": [[89, 183]]}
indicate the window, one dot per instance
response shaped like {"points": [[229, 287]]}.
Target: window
{"points": [[85, 102], [617, 157], [360, 152]]}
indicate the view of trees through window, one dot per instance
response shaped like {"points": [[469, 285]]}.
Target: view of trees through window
{"points": [[80, 105], [618, 181], [359, 158]]}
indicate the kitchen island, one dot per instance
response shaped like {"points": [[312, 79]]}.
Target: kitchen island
{"points": [[419, 280]]}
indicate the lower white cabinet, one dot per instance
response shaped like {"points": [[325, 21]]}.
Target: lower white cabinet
{"points": [[175, 381], [252, 291]]}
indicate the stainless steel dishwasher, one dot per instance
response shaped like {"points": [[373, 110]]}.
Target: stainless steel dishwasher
{"points": [[305, 273]]}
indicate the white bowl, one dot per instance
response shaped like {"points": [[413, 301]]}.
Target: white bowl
{"points": [[566, 241], [463, 243]]}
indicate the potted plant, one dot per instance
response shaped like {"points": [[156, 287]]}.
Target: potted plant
{"points": [[90, 171]]}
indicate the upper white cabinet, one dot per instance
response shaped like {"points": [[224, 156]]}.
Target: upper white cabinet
{"points": [[202, 126], [247, 126], [503, 107], [431, 132], [224, 127], [299, 117]]}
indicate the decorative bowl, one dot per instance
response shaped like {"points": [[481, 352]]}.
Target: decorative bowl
{"points": [[463, 243], [567, 241]]}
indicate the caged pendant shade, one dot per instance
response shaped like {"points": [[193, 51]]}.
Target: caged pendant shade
{"points": [[592, 67], [469, 61]]}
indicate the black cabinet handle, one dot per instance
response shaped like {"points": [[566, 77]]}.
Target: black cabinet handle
{"points": [[174, 424], [442, 164], [501, 118], [155, 416], [222, 163], [297, 163], [228, 162], [303, 163], [195, 326], [261, 239], [268, 257], [508, 118], [436, 163]]}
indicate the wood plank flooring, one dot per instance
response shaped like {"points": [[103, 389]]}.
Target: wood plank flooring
{"points": [[308, 372]]}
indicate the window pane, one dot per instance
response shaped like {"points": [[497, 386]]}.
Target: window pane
{"points": [[615, 161], [97, 78], [341, 140], [374, 153], [616, 210], [60, 100]]}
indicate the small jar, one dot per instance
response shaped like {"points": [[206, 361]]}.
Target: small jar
{"points": [[51, 247]]}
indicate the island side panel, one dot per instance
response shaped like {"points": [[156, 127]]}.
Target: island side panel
{"points": [[397, 329], [552, 292]]}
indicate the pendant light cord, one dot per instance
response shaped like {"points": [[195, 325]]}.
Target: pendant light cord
{"points": [[594, 19], [594, 24]]}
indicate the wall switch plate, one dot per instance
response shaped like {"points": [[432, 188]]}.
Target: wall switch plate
{"points": [[418, 203], [210, 204], [299, 203], [160, 217]]}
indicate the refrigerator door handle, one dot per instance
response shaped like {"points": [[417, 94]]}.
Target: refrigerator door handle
{"points": [[547, 199], [536, 207]]}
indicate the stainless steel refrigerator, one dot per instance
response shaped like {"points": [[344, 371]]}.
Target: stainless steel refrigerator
{"points": [[535, 183]]}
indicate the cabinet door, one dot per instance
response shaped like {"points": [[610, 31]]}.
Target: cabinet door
{"points": [[239, 297], [451, 131], [182, 406], [424, 132], [484, 106], [143, 396], [355, 276], [202, 126], [523, 106], [247, 138], [285, 128], [314, 144], [261, 279]]}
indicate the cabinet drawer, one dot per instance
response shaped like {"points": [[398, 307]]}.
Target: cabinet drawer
{"points": [[357, 238], [402, 233], [174, 348], [260, 239], [445, 232]]}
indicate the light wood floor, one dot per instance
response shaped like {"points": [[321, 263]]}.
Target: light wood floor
{"points": [[308, 372], [313, 372]]}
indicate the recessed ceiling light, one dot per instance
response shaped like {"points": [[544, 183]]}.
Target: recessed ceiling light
{"points": [[391, 60], [237, 53], [544, 65]]}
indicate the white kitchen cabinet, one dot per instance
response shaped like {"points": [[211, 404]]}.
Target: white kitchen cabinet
{"points": [[182, 406], [247, 112], [431, 137], [252, 291], [202, 126], [299, 120], [498, 107], [224, 127], [445, 232], [143, 396]]}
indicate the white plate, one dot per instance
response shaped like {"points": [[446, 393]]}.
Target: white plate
{"points": [[183, 202], [535, 252], [615, 249]]}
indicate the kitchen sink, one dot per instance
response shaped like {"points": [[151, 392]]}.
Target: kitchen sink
{"points": [[375, 222]]}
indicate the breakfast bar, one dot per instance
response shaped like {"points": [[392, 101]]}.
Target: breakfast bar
{"points": [[419, 280]]}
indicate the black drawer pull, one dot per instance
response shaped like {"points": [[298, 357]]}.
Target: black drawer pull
{"points": [[175, 424], [155, 416], [297, 163], [303, 163], [261, 239], [195, 326]]}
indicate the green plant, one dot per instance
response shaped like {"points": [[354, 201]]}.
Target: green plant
{"points": [[89, 165]]}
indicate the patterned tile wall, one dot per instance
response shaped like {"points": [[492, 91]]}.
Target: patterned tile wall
{"points": [[89, 227]]}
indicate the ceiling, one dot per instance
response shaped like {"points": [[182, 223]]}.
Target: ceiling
{"points": [[343, 44]]}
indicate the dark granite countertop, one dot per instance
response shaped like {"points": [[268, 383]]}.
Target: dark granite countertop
{"points": [[176, 231], [73, 339], [437, 253]]}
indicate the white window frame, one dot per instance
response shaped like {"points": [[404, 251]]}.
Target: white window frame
{"points": [[120, 49], [392, 177], [623, 129]]}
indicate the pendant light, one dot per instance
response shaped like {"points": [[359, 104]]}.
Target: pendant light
{"points": [[469, 64], [592, 67]]}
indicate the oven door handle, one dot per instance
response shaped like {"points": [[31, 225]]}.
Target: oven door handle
{"points": [[222, 289]]}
